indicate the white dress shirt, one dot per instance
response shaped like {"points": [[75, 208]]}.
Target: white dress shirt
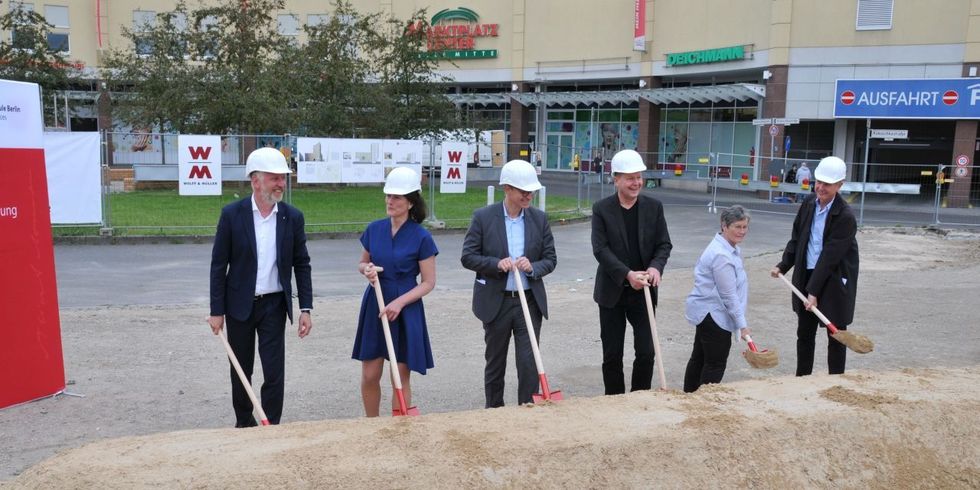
{"points": [[721, 287], [267, 274]]}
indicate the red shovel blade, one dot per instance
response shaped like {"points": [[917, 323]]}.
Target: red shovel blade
{"points": [[546, 393], [401, 411], [411, 412], [554, 396]]}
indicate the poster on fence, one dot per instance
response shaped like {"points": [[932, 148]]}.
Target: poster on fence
{"points": [[72, 163], [453, 167], [199, 165], [362, 161], [318, 161], [31, 362], [402, 153]]}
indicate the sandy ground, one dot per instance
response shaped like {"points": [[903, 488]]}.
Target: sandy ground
{"points": [[871, 430], [150, 370]]}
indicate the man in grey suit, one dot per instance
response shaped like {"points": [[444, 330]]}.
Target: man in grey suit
{"points": [[503, 239], [631, 243]]}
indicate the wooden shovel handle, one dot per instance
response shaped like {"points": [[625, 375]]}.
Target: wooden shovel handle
{"points": [[830, 326], [519, 283], [396, 379], [658, 359], [244, 380]]}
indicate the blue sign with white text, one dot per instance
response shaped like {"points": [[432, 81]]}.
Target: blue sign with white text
{"points": [[924, 98]]}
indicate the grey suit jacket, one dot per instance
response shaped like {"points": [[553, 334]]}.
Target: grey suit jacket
{"points": [[486, 244]]}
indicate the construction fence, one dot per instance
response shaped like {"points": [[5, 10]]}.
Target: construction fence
{"points": [[140, 189]]}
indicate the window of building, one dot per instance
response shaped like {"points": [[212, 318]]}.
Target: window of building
{"points": [[874, 15], [288, 25], [24, 41], [143, 20], [57, 15], [314, 20], [209, 45], [25, 6], [58, 42]]}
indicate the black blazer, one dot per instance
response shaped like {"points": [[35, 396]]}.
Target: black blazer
{"points": [[234, 260], [486, 243], [611, 248], [835, 277]]}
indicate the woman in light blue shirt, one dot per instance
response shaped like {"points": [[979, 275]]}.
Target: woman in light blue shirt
{"points": [[718, 301]]}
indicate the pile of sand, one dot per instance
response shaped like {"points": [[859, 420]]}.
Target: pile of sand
{"points": [[915, 428]]}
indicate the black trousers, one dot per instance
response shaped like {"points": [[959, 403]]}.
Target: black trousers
{"points": [[497, 335], [806, 333], [268, 320], [612, 325], [709, 357]]}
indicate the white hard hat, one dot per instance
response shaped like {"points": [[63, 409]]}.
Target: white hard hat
{"points": [[402, 181], [520, 174], [830, 170], [627, 162], [268, 160]]}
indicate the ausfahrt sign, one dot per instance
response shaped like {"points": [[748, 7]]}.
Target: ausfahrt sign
{"points": [[927, 98]]}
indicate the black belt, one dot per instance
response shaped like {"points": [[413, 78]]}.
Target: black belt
{"points": [[516, 294], [266, 295]]}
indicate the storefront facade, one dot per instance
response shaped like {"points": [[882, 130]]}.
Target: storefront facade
{"points": [[681, 81]]}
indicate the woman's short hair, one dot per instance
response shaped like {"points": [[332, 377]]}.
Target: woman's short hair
{"points": [[734, 214]]}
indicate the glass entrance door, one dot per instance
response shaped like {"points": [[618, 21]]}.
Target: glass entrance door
{"points": [[559, 151]]}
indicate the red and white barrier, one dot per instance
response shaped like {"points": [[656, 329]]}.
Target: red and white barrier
{"points": [[31, 362]]}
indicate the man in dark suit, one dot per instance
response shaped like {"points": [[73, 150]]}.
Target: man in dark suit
{"points": [[504, 239], [631, 243], [258, 244], [823, 253]]}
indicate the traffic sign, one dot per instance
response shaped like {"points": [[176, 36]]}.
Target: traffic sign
{"points": [[962, 160], [773, 130], [786, 121], [890, 134], [762, 121], [960, 171]]}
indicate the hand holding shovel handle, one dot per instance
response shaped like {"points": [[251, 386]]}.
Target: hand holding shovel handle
{"points": [[658, 360], [241, 376], [546, 393], [396, 380], [857, 343]]}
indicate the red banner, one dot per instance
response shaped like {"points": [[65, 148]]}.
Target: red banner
{"points": [[639, 25], [31, 362]]}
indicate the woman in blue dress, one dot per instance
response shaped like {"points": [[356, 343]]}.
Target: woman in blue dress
{"points": [[404, 249]]}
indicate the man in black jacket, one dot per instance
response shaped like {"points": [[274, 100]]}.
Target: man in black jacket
{"points": [[631, 243], [823, 253]]}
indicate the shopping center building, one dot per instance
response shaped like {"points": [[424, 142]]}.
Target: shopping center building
{"points": [[681, 81]]}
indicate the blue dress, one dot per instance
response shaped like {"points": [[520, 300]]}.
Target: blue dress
{"points": [[399, 256]]}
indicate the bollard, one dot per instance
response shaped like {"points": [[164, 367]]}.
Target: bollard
{"points": [[489, 195]]}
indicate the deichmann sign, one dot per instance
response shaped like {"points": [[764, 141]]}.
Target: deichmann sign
{"points": [[448, 40], [927, 98], [30, 354], [732, 53]]}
